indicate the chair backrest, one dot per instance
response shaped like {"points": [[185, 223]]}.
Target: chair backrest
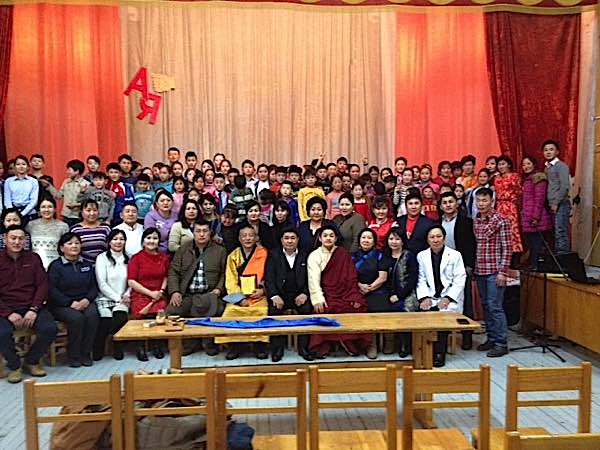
{"points": [[459, 381], [156, 387], [547, 379], [230, 386], [346, 381], [74, 394], [581, 441]]}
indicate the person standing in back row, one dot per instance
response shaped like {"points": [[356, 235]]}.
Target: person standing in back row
{"points": [[559, 185]]}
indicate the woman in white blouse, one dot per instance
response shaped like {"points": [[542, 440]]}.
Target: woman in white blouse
{"points": [[46, 231], [113, 300]]}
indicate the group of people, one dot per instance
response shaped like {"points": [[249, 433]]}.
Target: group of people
{"points": [[210, 240]]}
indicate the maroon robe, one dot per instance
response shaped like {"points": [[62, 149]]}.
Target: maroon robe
{"points": [[340, 286]]}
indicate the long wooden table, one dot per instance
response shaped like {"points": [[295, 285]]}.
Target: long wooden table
{"points": [[423, 326]]}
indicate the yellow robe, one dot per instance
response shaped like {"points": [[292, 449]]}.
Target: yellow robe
{"points": [[259, 307]]}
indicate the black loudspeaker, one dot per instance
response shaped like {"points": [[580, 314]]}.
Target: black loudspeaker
{"points": [[512, 305]]}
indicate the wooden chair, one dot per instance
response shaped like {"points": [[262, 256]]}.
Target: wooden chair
{"points": [[543, 379], [581, 441], [156, 387], [230, 386], [445, 382], [59, 345], [346, 381], [73, 393]]}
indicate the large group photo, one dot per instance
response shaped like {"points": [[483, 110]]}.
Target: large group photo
{"points": [[218, 219]]}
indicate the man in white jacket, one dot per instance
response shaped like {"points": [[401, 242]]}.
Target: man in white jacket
{"points": [[441, 283]]}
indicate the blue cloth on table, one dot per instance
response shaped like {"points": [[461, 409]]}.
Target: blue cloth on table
{"points": [[267, 323]]}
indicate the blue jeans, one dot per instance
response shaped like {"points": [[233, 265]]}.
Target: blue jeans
{"points": [[492, 297], [561, 228]]}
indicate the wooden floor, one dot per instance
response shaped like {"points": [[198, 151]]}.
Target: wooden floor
{"points": [[555, 420]]}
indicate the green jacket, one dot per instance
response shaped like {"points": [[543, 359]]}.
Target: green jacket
{"points": [[184, 264]]}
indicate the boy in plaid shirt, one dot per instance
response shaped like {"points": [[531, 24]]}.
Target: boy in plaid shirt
{"points": [[494, 250]]}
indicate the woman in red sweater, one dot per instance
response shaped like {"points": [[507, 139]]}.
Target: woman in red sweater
{"points": [[147, 276]]}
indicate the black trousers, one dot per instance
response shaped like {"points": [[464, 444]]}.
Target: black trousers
{"points": [[81, 328], [109, 326], [45, 333], [278, 342]]}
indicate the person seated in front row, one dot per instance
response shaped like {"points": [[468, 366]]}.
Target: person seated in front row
{"points": [[441, 283], [196, 280], [286, 282], [73, 292], [333, 287], [23, 292], [246, 268]]}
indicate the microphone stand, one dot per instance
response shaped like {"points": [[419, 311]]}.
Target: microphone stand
{"points": [[542, 341]]}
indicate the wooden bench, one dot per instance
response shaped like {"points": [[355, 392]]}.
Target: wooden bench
{"points": [[156, 387], [543, 379], [581, 441], [445, 382], [235, 386], [76, 394]]}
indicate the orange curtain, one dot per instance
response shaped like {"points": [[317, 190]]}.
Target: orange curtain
{"points": [[443, 101], [65, 96]]}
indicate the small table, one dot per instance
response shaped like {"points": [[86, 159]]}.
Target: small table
{"points": [[424, 328]]}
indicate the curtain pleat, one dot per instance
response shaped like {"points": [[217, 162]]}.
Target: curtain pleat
{"points": [[6, 17], [65, 98], [533, 65]]}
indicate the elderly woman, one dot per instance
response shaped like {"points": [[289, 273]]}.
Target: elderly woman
{"points": [[91, 231], [372, 269], [181, 231], [403, 272], [246, 264], [333, 287], [316, 208], [72, 298], [349, 222], [162, 217], [147, 277], [113, 301], [46, 231], [441, 282]]}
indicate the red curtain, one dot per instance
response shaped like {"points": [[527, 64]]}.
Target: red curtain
{"points": [[5, 43], [443, 104], [65, 98], [533, 65]]}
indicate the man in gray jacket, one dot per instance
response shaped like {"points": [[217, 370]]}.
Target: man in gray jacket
{"points": [[559, 185], [196, 279]]}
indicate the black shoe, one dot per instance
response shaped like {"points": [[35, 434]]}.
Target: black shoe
{"points": [[87, 361], [97, 356], [439, 360], [118, 353], [212, 350], [487, 345], [158, 352], [467, 341], [141, 354], [308, 356], [497, 351], [260, 351], [276, 354], [233, 353], [74, 363], [403, 352]]}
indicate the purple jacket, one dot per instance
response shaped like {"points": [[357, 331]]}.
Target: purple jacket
{"points": [[534, 203], [154, 219]]}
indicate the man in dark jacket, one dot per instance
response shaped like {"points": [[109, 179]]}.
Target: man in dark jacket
{"points": [[286, 282], [23, 293], [460, 237], [414, 224], [196, 280]]}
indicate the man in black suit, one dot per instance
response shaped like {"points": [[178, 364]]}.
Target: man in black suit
{"points": [[414, 224], [460, 237], [286, 282]]}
